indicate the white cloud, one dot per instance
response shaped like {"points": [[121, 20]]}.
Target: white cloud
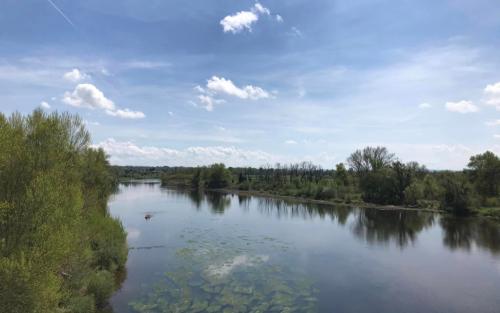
{"points": [[44, 105], [75, 75], [279, 18], [425, 105], [261, 9], [493, 95], [129, 153], [126, 113], [217, 86], [291, 142], [496, 136], [244, 19], [90, 97], [170, 113], [461, 107], [207, 102], [239, 21], [226, 86]]}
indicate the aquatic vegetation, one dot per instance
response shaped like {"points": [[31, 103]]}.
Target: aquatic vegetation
{"points": [[220, 274]]}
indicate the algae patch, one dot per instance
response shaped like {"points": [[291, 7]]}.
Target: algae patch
{"points": [[216, 274]]}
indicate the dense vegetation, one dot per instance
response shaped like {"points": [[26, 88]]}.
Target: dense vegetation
{"points": [[374, 175], [60, 251]]}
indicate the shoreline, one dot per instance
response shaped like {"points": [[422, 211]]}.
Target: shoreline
{"points": [[362, 205]]}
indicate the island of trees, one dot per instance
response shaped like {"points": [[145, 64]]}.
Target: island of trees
{"points": [[60, 251], [372, 176]]}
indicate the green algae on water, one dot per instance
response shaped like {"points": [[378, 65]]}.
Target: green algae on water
{"points": [[228, 274]]}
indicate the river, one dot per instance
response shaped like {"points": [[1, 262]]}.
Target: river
{"points": [[212, 252]]}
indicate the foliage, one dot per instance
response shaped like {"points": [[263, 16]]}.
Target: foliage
{"points": [[375, 175], [53, 194], [459, 196], [485, 173]]}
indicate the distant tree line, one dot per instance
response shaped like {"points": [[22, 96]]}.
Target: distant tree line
{"points": [[60, 250], [373, 175]]}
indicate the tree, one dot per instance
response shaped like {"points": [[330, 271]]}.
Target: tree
{"points": [[370, 159], [218, 176], [485, 173], [341, 174], [55, 230]]}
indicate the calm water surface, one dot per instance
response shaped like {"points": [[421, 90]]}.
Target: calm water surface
{"points": [[228, 253]]}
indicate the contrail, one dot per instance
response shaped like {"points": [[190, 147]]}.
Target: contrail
{"points": [[62, 13]]}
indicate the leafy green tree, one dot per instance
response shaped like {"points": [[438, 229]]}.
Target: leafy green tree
{"points": [[218, 176], [485, 173], [55, 231]]}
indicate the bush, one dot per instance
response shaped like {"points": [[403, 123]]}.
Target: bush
{"points": [[459, 196], [101, 286]]}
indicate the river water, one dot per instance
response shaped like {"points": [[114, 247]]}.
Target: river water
{"points": [[213, 252]]}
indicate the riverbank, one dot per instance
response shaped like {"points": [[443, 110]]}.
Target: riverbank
{"points": [[488, 213], [307, 200]]}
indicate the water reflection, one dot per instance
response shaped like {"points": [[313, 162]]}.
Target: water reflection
{"points": [[281, 208], [217, 202], [465, 233], [400, 227], [370, 225], [343, 250]]}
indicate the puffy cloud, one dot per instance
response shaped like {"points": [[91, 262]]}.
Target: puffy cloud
{"points": [[244, 19], [75, 75], [226, 86], [126, 113], [461, 107], [425, 105], [89, 96], [218, 86], [130, 153], [44, 105], [239, 21], [493, 95]]}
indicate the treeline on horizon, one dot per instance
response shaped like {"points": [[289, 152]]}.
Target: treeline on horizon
{"points": [[60, 250], [371, 175]]}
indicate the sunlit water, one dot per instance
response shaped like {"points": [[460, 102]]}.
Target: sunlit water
{"points": [[228, 253]]}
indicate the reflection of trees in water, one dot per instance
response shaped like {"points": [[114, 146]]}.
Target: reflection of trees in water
{"points": [[463, 233], [244, 202], [196, 198], [402, 227], [218, 202], [283, 208]]}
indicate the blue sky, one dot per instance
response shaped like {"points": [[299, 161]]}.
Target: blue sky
{"points": [[249, 83]]}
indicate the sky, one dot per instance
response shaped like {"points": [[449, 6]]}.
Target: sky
{"points": [[184, 83]]}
